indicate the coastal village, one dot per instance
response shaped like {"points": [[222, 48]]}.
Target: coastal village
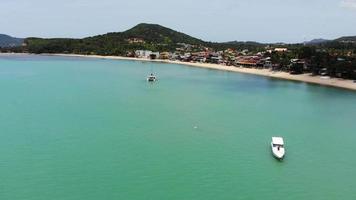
{"points": [[332, 59], [245, 58]]}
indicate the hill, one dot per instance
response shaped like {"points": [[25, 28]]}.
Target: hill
{"points": [[343, 43], [152, 37], [347, 39], [317, 41], [8, 41], [143, 36], [155, 33], [238, 45], [155, 37]]}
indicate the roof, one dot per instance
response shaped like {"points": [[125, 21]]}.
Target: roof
{"points": [[277, 140]]}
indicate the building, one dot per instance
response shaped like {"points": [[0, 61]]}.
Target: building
{"points": [[154, 55], [280, 49], [143, 53], [248, 61], [146, 54], [267, 63], [164, 55], [297, 66], [135, 41]]}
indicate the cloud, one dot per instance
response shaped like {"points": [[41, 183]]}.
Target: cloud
{"points": [[349, 4]]}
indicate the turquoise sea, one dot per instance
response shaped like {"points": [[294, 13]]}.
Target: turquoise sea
{"points": [[90, 129]]}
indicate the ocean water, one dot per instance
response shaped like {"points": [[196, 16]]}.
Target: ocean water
{"points": [[75, 128]]}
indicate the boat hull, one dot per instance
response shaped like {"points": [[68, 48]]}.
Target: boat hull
{"points": [[151, 79]]}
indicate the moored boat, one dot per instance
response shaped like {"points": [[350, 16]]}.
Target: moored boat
{"points": [[151, 78], [277, 146]]}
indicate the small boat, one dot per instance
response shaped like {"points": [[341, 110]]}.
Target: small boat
{"points": [[151, 78], [277, 145]]}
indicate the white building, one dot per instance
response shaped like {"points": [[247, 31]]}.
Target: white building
{"points": [[143, 53], [280, 49]]}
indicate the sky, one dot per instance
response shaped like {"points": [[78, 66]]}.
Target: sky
{"points": [[211, 20]]}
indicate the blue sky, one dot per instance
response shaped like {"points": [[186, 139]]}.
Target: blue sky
{"points": [[211, 20]]}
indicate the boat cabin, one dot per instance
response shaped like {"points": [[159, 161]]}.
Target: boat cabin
{"points": [[277, 142]]}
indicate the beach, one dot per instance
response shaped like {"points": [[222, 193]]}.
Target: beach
{"points": [[307, 78]]}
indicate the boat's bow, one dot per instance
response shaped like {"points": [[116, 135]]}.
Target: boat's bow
{"points": [[278, 152]]}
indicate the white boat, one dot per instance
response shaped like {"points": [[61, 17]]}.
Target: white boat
{"points": [[277, 145], [151, 78]]}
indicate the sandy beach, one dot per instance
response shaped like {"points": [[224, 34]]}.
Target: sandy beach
{"points": [[308, 78]]}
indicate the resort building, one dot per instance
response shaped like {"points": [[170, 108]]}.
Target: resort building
{"points": [[165, 55], [280, 49], [248, 61], [143, 53]]}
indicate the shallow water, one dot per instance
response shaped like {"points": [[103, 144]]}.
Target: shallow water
{"points": [[73, 128]]}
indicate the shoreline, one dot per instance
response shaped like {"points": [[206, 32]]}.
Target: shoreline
{"points": [[307, 78]]}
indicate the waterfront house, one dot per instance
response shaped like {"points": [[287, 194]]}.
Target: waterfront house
{"points": [[199, 56], [248, 61], [266, 63], [164, 55], [143, 53], [297, 66]]}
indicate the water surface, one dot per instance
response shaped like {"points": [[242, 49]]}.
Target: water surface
{"points": [[73, 128]]}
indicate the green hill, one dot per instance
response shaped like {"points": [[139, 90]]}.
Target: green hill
{"points": [[343, 43], [158, 34], [8, 41], [347, 39], [143, 36]]}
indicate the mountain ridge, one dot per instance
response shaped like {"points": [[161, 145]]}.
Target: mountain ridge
{"points": [[9, 41], [347, 39], [317, 41], [152, 37]]}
